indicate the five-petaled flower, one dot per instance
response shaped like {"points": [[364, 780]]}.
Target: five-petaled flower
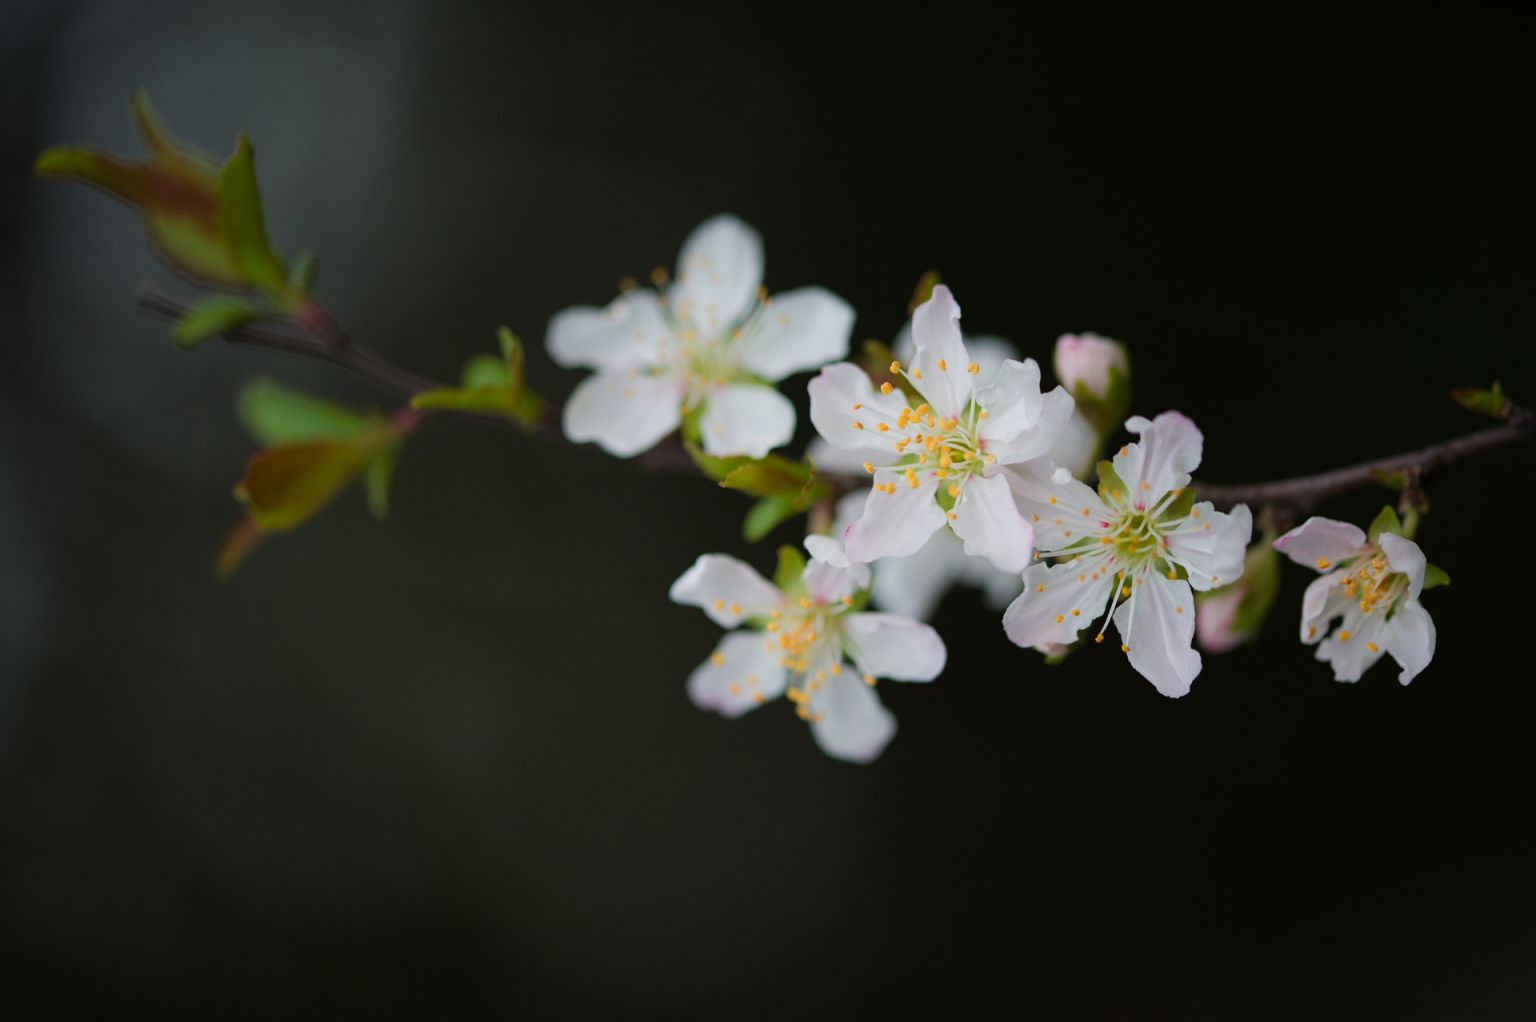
{"points": [[710, 345], [1136, 546], [797, 642], [949, 447], [1373, 586]]}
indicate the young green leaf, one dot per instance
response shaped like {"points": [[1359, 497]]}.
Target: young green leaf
{"points": [[1435, 576], [1385, 521], [766, 515], [242, 227], [790, 567], [277, 415], [211, 317]]}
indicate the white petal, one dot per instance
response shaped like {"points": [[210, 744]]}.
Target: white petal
{"points": [[1157, 622], [726, 589], [895, 524], [936, 333], [1042, 435], [991, 526], [742, 674], [625, 413], [1323, 538], [1063, 522], [843, 460], [827, 550], [718, 273], [798, 330], [834, 393], [895, 647], [630, 333], [1076, 446], [848, 720], [912, 586], [989, 353], [746, 419], [1013, 400], [1405, 557], [1353, 656], [1211, 546], [1411, 639], [1043, 613], [826, 584], [1169, 450], [1324, 600]]}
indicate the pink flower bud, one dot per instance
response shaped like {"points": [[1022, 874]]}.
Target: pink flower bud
{"points": [[1086, 360], [1215, 615]]}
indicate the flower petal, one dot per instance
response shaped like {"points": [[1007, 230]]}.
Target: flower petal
{"points": [[1058, 601], [830, 576], [1320, 543], [835, 392], [848, 720], [936, 334], [1211, 544], [630, 333], [625, 413], [1411, 639], [1040, 437], [1076, 446], [1404, 556], [1324, 600], [746, 419], [1055, 509], [895, 524], [991, 526], [718, 273], [1356, 646], [1013, 400], [798, 330], [726, 589], [741, 675], [912, 586], [895, 647], [1169, 450], [1157, 622], [1214, 615]]}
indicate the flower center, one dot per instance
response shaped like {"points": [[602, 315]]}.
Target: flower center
{"points": [[950, 451], [1370, 581]]}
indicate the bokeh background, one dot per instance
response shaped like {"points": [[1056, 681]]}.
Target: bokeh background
{"points": [[445, 767]]}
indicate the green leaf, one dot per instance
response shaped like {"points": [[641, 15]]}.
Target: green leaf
{"points": [[212, 317], [1180, 506], [791, 566], [769, 477], [1261, 579], [276, 415], [1490, 402], [238, 545], [376, 480], [766, 515], [1110, 482], [1435, 577], [1386, 521], [491, 386], [301, 275], [241, 225]]}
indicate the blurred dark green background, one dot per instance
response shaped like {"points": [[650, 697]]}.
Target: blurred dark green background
{"points": [[445, 767]]}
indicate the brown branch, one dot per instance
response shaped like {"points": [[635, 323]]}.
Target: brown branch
{"points": [[1303, 493]]}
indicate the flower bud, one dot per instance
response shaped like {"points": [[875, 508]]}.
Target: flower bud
{"points": [[1230, 616], [1097, 373]]}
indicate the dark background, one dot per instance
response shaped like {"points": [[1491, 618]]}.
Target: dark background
{"points": [[445, 766]]}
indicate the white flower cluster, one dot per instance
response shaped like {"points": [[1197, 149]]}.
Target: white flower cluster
{"points": [[973, 476]]}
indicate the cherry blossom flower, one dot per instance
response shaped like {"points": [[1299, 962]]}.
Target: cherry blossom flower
{"points": [[1372, 588], [799, 643], [1137, 546], [1088, 362], [949, 448], [711, 345]]}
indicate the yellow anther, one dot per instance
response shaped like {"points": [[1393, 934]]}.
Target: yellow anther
{"points": [[1060, 618], [794, 695], [1146, 485], [886, 388], [973, 368], [719, 604], [1323, 563], [869, 467], [751, 680], [1082, 578], [717, 658], [1372, 647], [627, 284], [869, 679], [1099, 637], [858, 425], [805, 601], [943, 366], [1125, 590], [1312, 632], [1178, 610], [950, 515], [953, 491], [776, 614], [1034, 518], [1124, 648], [895, 366], [847, 602], [942, 473], [919, 411], [1173, 573], [660, 276], [1077, 613], [1124, 451], [1039, 587], [759, 698], [1344, 636], [917, 374], [1085, 512], [1051, 501], [735, 608], [736, 688], [1195, 513], [836, 669], [912, 479], [1107, 541]]}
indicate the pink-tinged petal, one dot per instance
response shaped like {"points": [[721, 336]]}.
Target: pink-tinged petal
{"points": [[941, 358], [848, 720], [1405, 557], [895, 524], [1058, 601], [1355, 646], [1321, 543], [1214, 617], [1157, 622], [894, 647], [1168, 451], [796, 331], [1055, 509], [830, 576], [624, 413], [1211, 545], [746, 419], [630, 333], [726, 589], [1086, 360], [718, 273], [989, 523], [742, 674], [1411, 639], [1056, 408], [846, 409]]}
